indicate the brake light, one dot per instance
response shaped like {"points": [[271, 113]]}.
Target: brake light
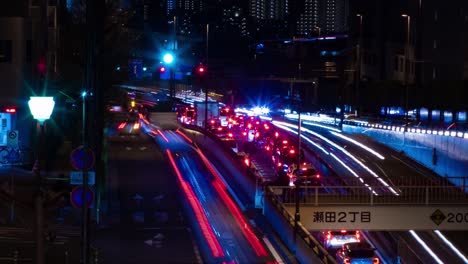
{"points": [[267, 127], [358, 235], [376, 260], [285, 142], [304, 169], [279, 164], [343, 231], [329, 235], [249, 126], [292, 151], [10, 110], [257, 134], [230, 135], [244, 133], [257, 123], [212, 121], [268, 148], [122, 125], [347, 261], [276, 134], [247, 161], [317, 176], [220, 128]]}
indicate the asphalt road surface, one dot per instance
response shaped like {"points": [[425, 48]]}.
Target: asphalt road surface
{"points": [[145, 221]]}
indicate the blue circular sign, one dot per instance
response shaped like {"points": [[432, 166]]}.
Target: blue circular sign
{"points": [[76, 197], [79, 157]]}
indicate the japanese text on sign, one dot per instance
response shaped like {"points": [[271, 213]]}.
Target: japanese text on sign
{"points": [[342, 217]]}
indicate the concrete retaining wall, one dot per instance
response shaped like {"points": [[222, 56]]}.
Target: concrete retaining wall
{"points": [[446, 155]]}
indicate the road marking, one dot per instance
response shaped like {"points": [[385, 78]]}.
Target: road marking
{"points": [[273, 250]]}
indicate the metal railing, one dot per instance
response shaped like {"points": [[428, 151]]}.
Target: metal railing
{"points": [[362, 195], [302, 232]]}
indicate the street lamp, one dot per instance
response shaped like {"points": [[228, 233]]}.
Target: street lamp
{"points": [[408, 30], [41, 108], [169, 59]]}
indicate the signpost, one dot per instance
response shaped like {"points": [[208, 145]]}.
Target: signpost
{"points": [[76, 197]]}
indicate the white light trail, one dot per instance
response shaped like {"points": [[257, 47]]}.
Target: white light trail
{"points": [[283, 124], [452, 247], [426, 247], [378, 155]]}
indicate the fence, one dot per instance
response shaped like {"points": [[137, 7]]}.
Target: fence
{"points": [[346, 195]]}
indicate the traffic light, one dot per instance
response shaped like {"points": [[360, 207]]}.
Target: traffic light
{"points": [[200, 70], [168, 58], [41, 66]]}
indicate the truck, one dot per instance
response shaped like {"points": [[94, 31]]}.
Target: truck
{"points": [[213, 111]]}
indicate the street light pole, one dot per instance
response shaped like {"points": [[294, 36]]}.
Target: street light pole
{"points": [[407, 64], [41, 108], [205, 83], [84, 209], [358, 57]]}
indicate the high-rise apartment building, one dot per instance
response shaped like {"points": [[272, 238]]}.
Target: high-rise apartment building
{"points": [[269, 9], [322, 17]]}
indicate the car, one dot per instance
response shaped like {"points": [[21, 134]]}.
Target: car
{"points": [[231, 143], [308, 175], [357, 252], [333, 239], [129, 126]]}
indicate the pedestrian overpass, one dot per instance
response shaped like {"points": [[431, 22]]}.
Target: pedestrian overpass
{"points": [[375, 208]]}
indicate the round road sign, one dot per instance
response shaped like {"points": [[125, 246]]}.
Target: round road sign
{"points": [[76, 197], [79, 157], [12, 134]]}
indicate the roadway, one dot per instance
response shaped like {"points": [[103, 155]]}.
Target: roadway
{"points": [[144, 219], [379, 165]]}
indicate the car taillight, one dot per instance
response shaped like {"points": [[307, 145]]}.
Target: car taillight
{"points": [[329, 235], [122, 125], [279, 164], [230, 135], [358, 235], [376, 261], [244, 133], [347, 261], [317, 176], [247, 161], [268, 148]]}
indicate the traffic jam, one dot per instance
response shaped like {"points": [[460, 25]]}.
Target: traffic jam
{"points": [[252, 136]]}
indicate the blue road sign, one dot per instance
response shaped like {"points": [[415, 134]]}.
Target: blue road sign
{"points": [[76, 197], [79, 156]]}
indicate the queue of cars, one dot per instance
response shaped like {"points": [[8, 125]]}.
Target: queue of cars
{"points": [[292, 170]]}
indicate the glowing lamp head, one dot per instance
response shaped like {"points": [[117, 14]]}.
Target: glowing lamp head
{"points": [[168, 58], [41, 107]]}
